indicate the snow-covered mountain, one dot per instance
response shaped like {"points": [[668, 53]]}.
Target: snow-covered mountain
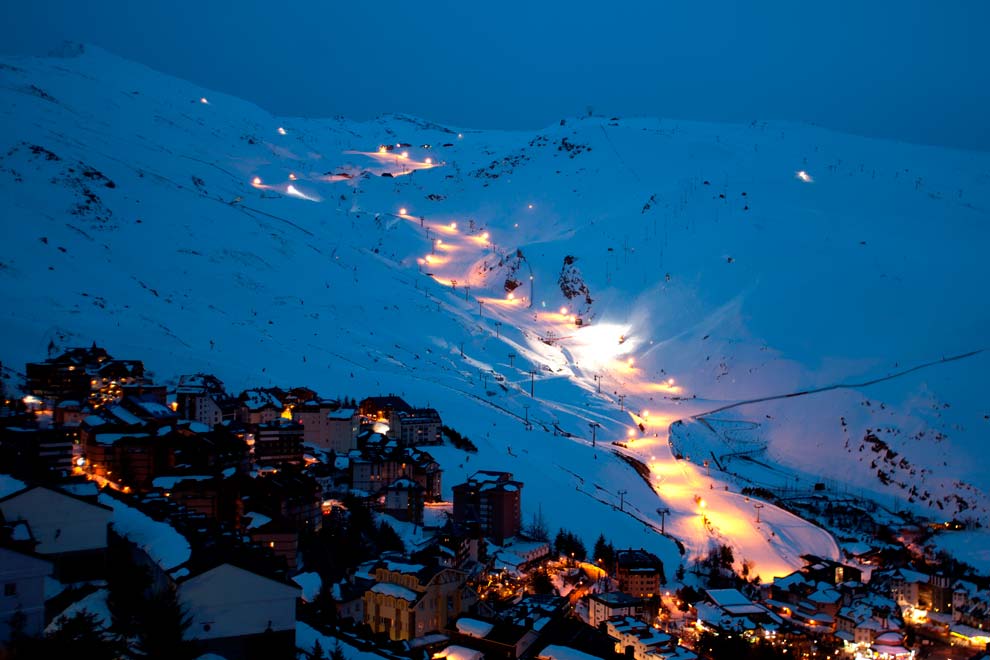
{"points": [[633, 274]]}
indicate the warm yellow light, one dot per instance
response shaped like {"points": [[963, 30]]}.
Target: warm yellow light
{"points": [[256, 181], [563, 310], [429, 161], [292, 176], [281, 131], [382, 149], [402, 211], [670, 381], [631, 433], [511, 296], [630, 362], [453, 225], [404, 154]]}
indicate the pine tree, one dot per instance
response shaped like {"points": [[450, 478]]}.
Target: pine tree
{"points": [[604, 552], [80, 636], [337, 653], [163, 625], [127, 583], [317, 652]]}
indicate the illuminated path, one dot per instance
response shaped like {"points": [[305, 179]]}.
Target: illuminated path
{"points": [[700, 509], [704, 510]]}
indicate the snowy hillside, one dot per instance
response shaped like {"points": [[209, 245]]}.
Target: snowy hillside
{"points": [[707, 264]]}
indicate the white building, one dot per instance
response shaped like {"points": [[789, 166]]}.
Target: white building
{"points": [[236, 613]]}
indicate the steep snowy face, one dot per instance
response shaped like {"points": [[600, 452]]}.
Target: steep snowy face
{"points": [[596, 281]]}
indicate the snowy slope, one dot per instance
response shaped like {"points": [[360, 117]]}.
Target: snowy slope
{"points": [[197, 232]]}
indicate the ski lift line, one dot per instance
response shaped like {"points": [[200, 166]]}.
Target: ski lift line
{"points": [[618, 155], [839, 386]]}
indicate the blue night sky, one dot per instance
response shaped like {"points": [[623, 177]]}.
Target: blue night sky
{"points": [[915, 71]]}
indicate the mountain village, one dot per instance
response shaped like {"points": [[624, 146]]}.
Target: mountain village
{"points": [[277, 522]]}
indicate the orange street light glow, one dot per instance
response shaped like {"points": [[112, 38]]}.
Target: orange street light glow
{"points": [[453, 225], [563, 311], [402, 211], [428, 161], [256, 181], [404, 154], [382, 149]]}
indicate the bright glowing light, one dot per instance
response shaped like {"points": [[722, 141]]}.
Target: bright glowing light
{"points": [[453, 225], [256, 181], [670, 381], [204, 101], [511, 296], [281, 131], [804, 176], [530, 206], [439, 241], [460, 136], [404, 154], [295, 192], [382, 149], [484, 236], [292, 176], [630, 362], [563, 311], [631, 433], [429, 161], [402, 211]]}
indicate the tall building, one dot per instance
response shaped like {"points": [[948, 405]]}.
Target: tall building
{"points": [[492, 501], [640, 573]]}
